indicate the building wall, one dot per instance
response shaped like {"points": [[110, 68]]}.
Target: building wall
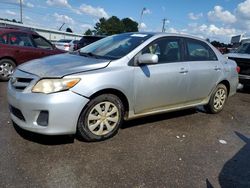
{"points": [[52, 36]]}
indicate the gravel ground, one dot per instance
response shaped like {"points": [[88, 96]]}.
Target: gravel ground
{"points": [[182, 149]]}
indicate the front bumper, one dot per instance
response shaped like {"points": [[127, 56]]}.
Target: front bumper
{"points": [[63, 110]]}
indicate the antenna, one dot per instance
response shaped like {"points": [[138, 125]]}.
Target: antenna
{"points": [[61, 26]]}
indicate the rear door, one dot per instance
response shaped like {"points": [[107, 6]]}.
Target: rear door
{"points": [[205, 69], [164, 84]]}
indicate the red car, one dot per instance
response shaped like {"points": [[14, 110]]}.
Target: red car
{"points": [[18, 46]]}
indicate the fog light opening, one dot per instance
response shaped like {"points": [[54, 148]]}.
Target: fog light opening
{"points": [[43, 118]]}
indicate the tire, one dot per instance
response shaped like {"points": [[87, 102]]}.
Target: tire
{"points": [[101, 118], [217, 100], [7, 67]]}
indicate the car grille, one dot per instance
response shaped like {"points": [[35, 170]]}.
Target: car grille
{"points": [[16, 112], [244, 65], [20, 84]]}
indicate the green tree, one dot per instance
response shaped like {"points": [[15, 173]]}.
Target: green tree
{"points": [[114, 25], [69, 30], [100, 27], [216, 43], [88, 32], [129, 25]]}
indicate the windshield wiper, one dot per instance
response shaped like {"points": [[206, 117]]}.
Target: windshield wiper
{"points": [[89, 54]]}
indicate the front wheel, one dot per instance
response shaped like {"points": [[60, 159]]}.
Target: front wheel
{"points": [[101, 118], [217, 100], [7, 67]]}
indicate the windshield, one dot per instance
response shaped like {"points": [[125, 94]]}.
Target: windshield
{"points": [[244, 49], [116, 46]]}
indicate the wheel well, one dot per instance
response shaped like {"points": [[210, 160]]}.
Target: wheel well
{"points": [[10, 58], [117, 93], [227, 84]]}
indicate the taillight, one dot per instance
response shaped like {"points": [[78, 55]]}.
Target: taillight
{"points": [[238, 69], [66, 45]]}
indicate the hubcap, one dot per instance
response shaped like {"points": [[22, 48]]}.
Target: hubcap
{"points": [[6, 70], [219, 99], [103, 118]]}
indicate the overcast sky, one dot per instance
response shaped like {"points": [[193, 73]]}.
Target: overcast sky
{"points": [[213, 19]]}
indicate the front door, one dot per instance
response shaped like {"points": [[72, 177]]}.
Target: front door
{"points": [[43, 47], [164, 84]]}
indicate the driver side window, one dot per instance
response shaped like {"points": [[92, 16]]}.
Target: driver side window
{"points": [[167, 49], [42, 43]]}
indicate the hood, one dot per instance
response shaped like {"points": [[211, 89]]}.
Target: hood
{"points": [[61, 65], [238, 55]]}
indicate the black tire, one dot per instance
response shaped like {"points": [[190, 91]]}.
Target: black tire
{"points": [[211, 106], [9, 64], [84, 122]]}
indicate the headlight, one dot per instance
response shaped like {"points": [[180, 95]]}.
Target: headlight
{"points": [[54, 85]]}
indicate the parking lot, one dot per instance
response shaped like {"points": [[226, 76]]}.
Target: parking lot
{"points": [[182, 149]]}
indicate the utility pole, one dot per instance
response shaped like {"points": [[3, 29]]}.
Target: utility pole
{"points": [[21, 11], [163, 24], [140, 22]]}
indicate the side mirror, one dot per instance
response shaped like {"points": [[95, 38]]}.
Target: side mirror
{"points": [[148, 59]]}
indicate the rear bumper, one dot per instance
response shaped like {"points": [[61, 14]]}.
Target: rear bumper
{"points": [[63, 111], [244, 79], [234, 85]]}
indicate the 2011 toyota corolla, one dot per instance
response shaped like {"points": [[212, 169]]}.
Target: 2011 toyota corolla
{"points": [[118, 78]]}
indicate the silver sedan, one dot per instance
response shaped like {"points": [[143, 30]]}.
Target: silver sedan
{"points": [[118, 78]]}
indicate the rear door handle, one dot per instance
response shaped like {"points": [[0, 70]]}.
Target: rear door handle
{"points": [[217, 68], [183, 71]]}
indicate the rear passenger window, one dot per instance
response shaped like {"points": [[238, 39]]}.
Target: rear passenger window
{"points": [[199, 51], [4, 39], [167, 49], [20, 39]]}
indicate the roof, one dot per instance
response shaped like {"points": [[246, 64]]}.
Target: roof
{"points": [[172, 34], [9, 29], [36, 28]]}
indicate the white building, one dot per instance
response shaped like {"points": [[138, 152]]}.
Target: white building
{"points": [[50, 34]]}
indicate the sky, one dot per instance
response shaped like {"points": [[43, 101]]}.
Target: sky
{"points": [[213, 19]]}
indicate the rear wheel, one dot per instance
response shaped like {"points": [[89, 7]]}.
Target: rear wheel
{"points": [[217, 100], [7, 67], [101, 118]]}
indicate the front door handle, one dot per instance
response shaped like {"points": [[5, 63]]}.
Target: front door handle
{"points": [[183, 71]]}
